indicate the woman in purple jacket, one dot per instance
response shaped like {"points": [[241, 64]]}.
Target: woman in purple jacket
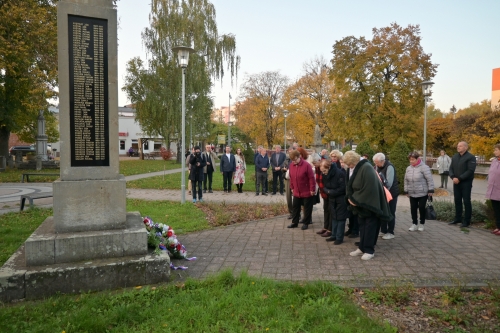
{"points": [[493, 190], [303, 187]]}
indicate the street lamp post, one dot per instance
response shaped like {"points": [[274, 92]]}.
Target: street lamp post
{"points": [[190, 131], [285, 114], [229, 123], [183, 58], [426, 90]]}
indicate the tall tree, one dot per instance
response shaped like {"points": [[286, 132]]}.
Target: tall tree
{"points": [[155, 87], [261, 110], [379, 84], [28, 67], [309, 102]]}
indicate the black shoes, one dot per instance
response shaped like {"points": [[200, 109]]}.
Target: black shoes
{"points": [[465, 225], [454, 222], [304, 226], [290, 217], [356, 243], [274, 193], [331, 239], [353, 236], [293, 226], [264, 193], [348, 232], [256, 194], [337, 242], [204, 191], [210, 191]]}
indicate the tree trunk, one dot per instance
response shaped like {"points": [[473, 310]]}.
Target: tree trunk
{"points": [[4, 141]]}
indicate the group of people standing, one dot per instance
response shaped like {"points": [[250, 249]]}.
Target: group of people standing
{"points": [[202, 165]]}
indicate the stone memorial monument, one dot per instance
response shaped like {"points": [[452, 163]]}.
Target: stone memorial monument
{"points": [[90, 243]]}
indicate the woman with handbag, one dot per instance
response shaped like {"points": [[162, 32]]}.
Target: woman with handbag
{"points": [[443, 163], [493, 190], [418, 186]]}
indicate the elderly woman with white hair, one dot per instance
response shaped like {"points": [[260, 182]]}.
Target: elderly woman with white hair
{"points": [[367, 200], [387, 173]]}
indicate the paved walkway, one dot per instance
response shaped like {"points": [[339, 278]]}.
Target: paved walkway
{"points": [[439, 255]]}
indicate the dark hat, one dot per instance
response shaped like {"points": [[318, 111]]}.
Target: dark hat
{"points": [[196, 147]]}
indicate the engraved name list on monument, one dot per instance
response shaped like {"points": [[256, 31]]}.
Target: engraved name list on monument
{"points": [[88, 69]]}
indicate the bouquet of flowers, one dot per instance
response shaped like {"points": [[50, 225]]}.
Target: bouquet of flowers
{"points": [[162, 236]]}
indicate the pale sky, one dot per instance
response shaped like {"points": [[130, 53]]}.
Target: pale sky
{"points": [[462, 36]]}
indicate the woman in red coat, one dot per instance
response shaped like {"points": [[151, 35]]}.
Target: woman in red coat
{"points": [[303, 187]]}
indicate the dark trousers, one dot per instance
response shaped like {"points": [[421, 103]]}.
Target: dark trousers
{"points": [[278, 176], [496, 209], [327, 221], [260, 180], [194, 184], [208, 176], [353, 224], [308, 207], [338, 229], [418, 204], [368, 233], [288, 194], [444, 180], [227, 179], [461, 192], [388, 227]]}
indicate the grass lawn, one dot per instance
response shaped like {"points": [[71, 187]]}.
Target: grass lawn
{"points": [[173, 181], [16, 227], [221, 303], [127, 168]]}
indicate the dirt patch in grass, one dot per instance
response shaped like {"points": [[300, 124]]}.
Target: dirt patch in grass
{"points": [[433, 309], [221, 213]]}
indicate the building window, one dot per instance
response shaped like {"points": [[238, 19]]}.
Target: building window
{"points": [[146, 145], [122, 144]]}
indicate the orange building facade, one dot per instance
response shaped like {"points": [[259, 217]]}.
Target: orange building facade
{"points": [[495, 88]]}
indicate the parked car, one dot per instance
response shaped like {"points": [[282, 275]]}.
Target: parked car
{"points": [[24, 149]]}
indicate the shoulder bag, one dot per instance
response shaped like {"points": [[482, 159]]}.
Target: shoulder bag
{"points": [[430, 213]]}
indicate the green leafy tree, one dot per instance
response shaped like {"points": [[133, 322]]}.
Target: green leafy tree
{"points": [[346, 148], [398, 156], [378, 82], [155, 87], [364, 148], [28, 68]]}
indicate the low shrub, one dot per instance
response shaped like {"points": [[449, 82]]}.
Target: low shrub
{"points": [[446, 211]]}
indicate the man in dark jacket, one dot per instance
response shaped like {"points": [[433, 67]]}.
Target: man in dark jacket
{"points": [[387, 174], [277, 164], [335, 188], [227, 167], [261, 166], [197, 162], [463, 165]]}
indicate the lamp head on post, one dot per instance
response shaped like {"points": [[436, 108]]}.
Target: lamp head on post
{"points": [[426, 88], [183, 55], [285, 113], [229, 123]]}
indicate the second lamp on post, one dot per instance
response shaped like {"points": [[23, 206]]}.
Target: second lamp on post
{"points": [[426, 91], [183, 58], [285, 114], [229, 124]]}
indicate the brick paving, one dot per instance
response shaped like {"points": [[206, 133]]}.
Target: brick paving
{"points": [[440, 255]]}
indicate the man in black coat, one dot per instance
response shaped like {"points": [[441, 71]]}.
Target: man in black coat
{"points": [[197, 162], [209, 169], [277, 165], [462, 168], [227, 168]]}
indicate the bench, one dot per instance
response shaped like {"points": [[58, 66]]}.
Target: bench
{"points": [[27, 175], [152, 155], [32, 197]]}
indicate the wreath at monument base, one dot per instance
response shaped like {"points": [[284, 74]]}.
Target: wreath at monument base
{"points": [[163, 238]]}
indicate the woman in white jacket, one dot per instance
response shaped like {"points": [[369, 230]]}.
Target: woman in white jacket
{"points": [[418, 186], [443, 163]]}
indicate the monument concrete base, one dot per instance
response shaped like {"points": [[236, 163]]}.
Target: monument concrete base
{"points": [[20, 282], [89, 205], [47, 247]]}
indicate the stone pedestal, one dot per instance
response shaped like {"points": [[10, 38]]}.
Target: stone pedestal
{"points": [[89, 205]]}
